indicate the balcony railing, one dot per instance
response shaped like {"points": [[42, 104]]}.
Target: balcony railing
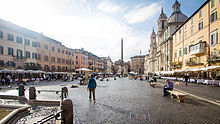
{"points": [[190, 63], [197, 48], [19, 58]]}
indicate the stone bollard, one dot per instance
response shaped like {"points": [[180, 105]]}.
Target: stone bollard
{"points": [[21, 90], [32, 93], [67, 114], [64, 92]]}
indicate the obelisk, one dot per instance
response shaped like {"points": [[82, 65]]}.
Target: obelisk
{"points": [[121, 50]]}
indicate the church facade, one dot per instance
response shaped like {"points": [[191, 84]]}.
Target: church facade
{"points": [[161, 43]]}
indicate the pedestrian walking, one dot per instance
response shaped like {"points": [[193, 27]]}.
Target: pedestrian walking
{"points": [[168, 86], [91, 87], [186, 78]]}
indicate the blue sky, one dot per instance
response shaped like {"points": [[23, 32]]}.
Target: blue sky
{"points": [[95, 25]]}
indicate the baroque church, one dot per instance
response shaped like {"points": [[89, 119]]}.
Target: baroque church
{"points": [[161, 44]]}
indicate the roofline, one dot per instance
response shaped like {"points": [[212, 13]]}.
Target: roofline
{"points": [[191, 16]]}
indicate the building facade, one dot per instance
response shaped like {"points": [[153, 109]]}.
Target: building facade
{"points": [[25, 49], [161, 44], [137, 64], [196, 42]]}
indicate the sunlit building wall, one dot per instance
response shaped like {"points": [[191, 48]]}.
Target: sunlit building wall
{"points": [[196, 42]]}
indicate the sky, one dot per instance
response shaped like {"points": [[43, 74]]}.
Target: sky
{"points": [[95, 25]]}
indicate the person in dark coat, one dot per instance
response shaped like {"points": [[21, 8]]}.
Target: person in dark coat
{"points": [[186, 79], [91, 87]]}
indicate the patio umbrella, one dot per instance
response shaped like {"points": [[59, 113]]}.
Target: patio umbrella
{"points": [[19, 71], [6, 71], [83, 69], [131, 72], [74, 73], [39, 71]]}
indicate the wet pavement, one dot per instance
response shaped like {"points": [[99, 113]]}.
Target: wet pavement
{"points": [[132, 101]]}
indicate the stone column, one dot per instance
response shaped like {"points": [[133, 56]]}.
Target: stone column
{"points": [[32, 93], [67, 114], [21, 90]]}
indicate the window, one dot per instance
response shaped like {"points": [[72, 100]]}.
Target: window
{"points": [[180, 38], [10, 51], [46, 67], [66, 52], [76, 57], [45, 46], [34, 44], [185, 26], [175, 54], [184, 35], [191, 31], [1, 34], [19, 54], [53, 68], [213, 38], [76, 62], [1, 50], [10, 37], [179, 31], [52, 59], [27, 42], [58, 49], [58, 68], [63, 61], [199, 59], [34, 55], [191, 21], [70, 62], [69, 53], [63, 51], [213, 17], [180, 53], [212, 3], [45, 58], [67, 61], [38, 44], [185, 50], [19, 39], [200, 25], [200, 13], [53, 49], [1, 63], [27, 54], [162, 24], [58, 60]]}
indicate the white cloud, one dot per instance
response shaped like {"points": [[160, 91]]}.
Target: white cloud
{"points": [[97, 33], [107, 6], [141, 13]]}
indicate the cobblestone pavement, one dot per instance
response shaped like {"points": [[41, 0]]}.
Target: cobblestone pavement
{"points": [[210, 92], [133, 101]]}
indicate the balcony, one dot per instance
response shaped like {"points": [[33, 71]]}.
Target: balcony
{"points": [[197, 48], [19, 58], [193, 62], [213, 59], [175, 65]]}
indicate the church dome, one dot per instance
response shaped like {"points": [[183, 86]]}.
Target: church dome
{"points": [[177, 15]]}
